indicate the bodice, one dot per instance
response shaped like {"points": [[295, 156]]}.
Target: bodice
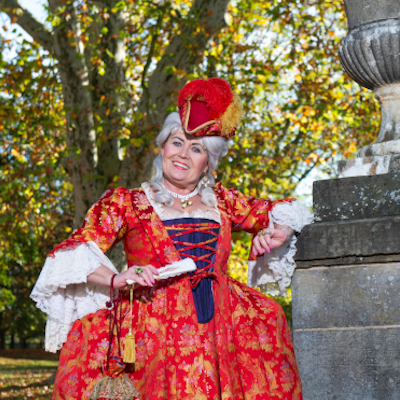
{"points": [[197, 239]]}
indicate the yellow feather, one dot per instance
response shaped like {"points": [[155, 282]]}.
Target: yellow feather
{"points": [[232, 116]]}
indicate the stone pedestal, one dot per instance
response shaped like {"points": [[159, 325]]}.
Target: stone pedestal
{"points": [[346, 291]]}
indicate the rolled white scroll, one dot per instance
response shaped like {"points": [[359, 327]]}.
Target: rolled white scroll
{"points": [[178, 268]]}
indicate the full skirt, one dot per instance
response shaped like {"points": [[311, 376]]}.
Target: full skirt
{"points": [[244, 352]]}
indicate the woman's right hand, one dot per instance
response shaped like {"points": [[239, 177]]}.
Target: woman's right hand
{"points": [[145, 278]]}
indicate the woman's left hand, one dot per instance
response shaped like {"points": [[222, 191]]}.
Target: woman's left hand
{"points": [[276, 238], [144, 278]]}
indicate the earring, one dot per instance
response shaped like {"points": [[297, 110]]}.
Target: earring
{"points": [[205, 181]]}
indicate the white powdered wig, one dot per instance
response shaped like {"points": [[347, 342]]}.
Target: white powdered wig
{"points": [[216, 147]]}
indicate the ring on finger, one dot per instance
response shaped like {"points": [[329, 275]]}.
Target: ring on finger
{"points": [[138, 270], [264, 232]]}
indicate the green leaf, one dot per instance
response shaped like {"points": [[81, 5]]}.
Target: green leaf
{"points": [[109, 53]]}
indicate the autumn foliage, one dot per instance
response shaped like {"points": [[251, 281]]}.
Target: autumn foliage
{"points": [[301, 111]]}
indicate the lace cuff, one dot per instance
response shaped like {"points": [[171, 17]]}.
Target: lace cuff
{"points": [[294, 214], [62, 291], [272, 272]]}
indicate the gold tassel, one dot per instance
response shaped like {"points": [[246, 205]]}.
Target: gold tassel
{"points": [[129, 353]]}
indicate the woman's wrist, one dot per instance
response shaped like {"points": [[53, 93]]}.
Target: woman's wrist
{"points": [[286, 229], [101, 276]]}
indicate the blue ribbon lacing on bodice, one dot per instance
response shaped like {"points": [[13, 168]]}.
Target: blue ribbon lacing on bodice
{"points": [[197, 238]]}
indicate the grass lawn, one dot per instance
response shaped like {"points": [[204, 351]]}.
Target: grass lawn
{"points": [[23, 379]]}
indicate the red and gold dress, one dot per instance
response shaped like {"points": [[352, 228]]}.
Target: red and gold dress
{"points": [[198, 336]]}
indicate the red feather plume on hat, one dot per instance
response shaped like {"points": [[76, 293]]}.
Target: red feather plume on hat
{"points": [[209, 108]]}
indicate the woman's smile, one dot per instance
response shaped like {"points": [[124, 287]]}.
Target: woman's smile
{"points": [[180, 165]]}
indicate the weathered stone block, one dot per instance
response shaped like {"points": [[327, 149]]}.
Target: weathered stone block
{"points": [[346, 296], [349, 364], [357, 198], [333, 240]]}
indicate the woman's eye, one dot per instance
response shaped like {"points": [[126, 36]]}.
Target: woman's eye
{"points": [[196, 150], [177, 143]]}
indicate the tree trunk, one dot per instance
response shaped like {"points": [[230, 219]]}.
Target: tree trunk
{"points": [[117, 256], [81, 139], [109, 100], [2, 333]]}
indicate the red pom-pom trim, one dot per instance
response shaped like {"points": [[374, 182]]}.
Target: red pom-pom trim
{"points": [[216, 93]]}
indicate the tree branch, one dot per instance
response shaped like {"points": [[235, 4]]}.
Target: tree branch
{"points": [[147, 94], [206, 18], [152, 47], [28, 22], [304, 174]]}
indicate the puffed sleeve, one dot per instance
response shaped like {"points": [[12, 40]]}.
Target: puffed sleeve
{"points": [[104, 224], [247, 213], [62, 290], [272, 272]]}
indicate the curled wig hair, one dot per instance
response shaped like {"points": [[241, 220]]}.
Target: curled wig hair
{"points": [[216, 147]]}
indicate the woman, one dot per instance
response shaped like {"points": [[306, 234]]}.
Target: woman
{"points": [[201, 335]]}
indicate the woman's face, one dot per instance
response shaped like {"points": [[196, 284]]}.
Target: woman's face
{"points": [[184, 159]]}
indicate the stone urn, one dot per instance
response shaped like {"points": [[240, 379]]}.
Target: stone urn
{"points": [[370, 54]]}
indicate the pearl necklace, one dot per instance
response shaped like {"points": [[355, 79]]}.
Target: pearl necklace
{"points": [[185, 202]]}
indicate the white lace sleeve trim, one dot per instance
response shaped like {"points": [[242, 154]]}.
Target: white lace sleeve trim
{"points": [[294, 214], [166, 215], [63, 293], [272, 272]]}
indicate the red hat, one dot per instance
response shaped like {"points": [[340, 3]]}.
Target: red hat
{"points": [[209, 108]]}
